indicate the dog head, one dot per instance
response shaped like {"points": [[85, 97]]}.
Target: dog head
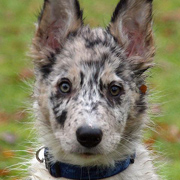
{"points": [[89, 93]]}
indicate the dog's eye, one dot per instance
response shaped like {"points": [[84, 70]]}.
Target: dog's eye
{"points": [[116, 90], [65, 87]]}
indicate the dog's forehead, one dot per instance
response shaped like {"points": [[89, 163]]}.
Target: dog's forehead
{"points": [[93, 49]]}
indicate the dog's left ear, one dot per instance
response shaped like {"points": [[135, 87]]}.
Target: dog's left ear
{"points": [[131, 25]]}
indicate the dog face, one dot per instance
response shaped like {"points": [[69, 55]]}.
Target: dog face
{"points": [[89, 101]]}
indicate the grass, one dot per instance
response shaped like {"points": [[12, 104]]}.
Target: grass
{"points": [[16, 29]]}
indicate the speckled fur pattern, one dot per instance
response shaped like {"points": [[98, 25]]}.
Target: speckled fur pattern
{"points": [[93, 61]]}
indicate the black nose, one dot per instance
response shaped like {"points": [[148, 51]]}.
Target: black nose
{"points": [[88, 136]]}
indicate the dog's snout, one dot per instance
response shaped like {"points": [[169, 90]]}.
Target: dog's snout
{"points": [[89, 137]]}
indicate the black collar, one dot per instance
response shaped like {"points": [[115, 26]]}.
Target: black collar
{"points": [[69, 171]]}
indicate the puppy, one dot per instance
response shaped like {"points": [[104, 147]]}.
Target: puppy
{"points": [[90, 93]]}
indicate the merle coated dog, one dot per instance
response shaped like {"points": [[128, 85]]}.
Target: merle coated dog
{"points": [[90, 93]]}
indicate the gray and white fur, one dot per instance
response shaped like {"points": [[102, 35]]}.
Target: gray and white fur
{"points": [[93, 78]]}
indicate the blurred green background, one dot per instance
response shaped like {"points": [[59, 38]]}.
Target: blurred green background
{"points": [[17, 19]]}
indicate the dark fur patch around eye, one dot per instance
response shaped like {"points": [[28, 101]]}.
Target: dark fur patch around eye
{"points": [[62, 118]]}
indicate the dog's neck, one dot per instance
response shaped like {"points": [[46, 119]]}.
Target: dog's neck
{"points": [[69, 171]]}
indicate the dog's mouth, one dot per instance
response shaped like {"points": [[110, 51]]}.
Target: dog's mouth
{"points": [[88, 155], [84, 157]]}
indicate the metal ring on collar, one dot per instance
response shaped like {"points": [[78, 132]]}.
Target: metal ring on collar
{"points": [[37, 155]]}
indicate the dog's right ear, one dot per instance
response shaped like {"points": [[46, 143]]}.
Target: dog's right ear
{"points": [[57, 19]]}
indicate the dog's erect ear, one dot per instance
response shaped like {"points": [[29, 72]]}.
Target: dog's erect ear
{"points": [[57, 19], [131, 25]]}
